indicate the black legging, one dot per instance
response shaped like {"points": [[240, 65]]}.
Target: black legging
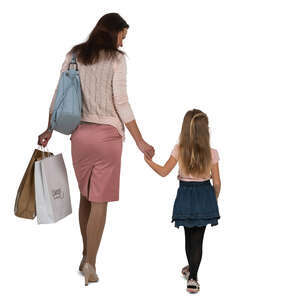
{"points": [[193, 248]]}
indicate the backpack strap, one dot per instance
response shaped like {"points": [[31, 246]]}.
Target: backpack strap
{"points": [[73, 61]]}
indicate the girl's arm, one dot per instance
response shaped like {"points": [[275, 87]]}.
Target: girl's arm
{"points": [[216, 179], [162, 170]]}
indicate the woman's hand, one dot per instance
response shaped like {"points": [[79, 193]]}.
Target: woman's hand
{"points": [[145, 148], [44, 138]]}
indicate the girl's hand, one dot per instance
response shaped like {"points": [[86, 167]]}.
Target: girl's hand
{"points": [[147, 149], [44, 138]]}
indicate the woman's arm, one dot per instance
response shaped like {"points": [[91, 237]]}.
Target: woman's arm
{"points": [[216, 179], [162, 170], [147, 149], [134, 131], [119, 85], [64, 67], [45, 136], [49, 121], [123, 106]]}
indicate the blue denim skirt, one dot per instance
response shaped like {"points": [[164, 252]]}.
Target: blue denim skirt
{"points": [[195, 204]]}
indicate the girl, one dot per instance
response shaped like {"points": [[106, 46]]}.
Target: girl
{"points": [[196, 201]]}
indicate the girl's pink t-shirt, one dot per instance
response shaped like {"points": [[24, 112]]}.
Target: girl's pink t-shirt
{"points": [[185, 177]]}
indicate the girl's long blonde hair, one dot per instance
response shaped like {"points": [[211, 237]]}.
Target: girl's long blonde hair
{"points": [[194, 144]]}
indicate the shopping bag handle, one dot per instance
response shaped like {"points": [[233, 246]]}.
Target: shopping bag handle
{"points": [[42, 148]]}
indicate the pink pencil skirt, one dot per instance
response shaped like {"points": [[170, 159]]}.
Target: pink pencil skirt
{"points": [[96, 156]]}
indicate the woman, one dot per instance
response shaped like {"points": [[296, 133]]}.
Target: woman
{"points": [[96, 144]]}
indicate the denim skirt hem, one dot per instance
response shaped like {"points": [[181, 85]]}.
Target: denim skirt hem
{"points": [[195, 223]]}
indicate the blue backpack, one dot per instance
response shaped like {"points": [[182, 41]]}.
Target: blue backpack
{"points": [[68, 102]]}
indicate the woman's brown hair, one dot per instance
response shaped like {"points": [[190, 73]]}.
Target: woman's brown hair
{"points": [[103, 37], [194, 144]]}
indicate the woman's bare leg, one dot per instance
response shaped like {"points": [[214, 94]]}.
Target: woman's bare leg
{"points": [[95, 227], [84, 213]]}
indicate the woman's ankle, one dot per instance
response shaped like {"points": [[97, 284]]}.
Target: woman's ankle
{"points": [[92, 263]]}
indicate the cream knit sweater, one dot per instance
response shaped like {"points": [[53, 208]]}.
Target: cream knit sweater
{"points": [[104, 92]]}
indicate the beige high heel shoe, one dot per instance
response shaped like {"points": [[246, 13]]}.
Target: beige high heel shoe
{"points": [[90, 274], [82, 262]]}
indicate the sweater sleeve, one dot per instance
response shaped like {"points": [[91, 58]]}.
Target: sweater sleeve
{"points": [[63, 68], [119, 84]]}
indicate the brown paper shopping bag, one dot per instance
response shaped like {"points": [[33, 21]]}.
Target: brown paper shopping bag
{"points": [[25, 199]]}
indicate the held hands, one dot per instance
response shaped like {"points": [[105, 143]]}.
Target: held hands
{"points": [[147, 149], [44, 138], [147, 160]]}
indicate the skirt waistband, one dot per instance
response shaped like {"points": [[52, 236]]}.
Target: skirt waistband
{"points": [[193, 183]]}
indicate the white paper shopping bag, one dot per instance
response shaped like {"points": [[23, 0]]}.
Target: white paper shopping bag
{"points": [[52, 193]]}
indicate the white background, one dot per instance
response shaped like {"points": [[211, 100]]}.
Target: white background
{"points": [[236, 60]]}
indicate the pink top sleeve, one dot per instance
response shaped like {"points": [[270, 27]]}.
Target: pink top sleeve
{"points": [[215, 156], [63, 68], [175, 152], [120, 90]]}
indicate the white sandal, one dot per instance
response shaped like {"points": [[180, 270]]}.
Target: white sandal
{"points": [[192, 286]]}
